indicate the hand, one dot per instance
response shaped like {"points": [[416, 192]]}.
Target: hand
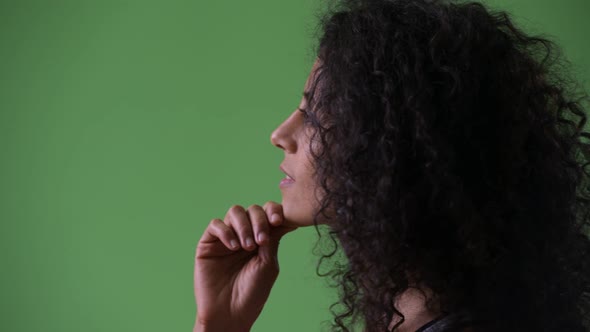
{"points": [[236, 265]]}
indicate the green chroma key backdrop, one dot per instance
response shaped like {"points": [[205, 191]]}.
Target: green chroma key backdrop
{"points": [[126, 126]]}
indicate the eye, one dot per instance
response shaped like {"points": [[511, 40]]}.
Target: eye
{"points": [[305, 115]]}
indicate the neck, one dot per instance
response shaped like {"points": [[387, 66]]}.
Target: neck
{"points": [[412, 304]]}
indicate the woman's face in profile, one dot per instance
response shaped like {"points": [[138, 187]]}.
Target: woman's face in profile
{"points": [[297, 188]]}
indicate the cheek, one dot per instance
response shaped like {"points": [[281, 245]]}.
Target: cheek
{"points": [[297, 205]]}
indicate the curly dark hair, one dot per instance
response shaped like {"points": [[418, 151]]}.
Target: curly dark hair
{"points": [[450, 152]]}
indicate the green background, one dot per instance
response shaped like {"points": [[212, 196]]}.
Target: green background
{"points": [[126, 126]]}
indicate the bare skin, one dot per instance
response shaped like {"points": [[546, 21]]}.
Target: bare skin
{"points": [[236, 260], [233, 272], [232, 282], [413, 306]]}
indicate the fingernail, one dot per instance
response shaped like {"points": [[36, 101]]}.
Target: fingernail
{"points": [[233, 244], [249, 242], [275, 218], [261, 237]]}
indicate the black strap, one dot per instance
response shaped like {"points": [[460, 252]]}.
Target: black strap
{"points": [[446, 323], [429, 324]]}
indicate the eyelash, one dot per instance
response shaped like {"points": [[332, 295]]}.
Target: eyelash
{"points": [[305, 116]]}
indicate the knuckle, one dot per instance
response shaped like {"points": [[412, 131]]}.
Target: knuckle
{"points": [[214, 221], [199, 249], [236, 208], [254, 207], [239, 219], [244, 228], [259, 220], [270, 205], [227, 232]]}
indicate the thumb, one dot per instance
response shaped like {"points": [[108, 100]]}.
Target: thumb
{"points": [[269, 252]]}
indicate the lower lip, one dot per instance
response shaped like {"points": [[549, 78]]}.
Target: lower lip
{"points": [[286, 182]]}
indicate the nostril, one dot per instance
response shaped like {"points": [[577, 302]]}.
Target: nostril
{"points": [[274, 139], [285, 135]]}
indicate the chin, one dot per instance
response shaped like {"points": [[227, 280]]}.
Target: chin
{"points": [[296, 219]]}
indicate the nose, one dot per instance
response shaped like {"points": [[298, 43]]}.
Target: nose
{"points": [[284, 136]]}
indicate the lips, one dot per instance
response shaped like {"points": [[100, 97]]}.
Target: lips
{"points": [[288, 175]]}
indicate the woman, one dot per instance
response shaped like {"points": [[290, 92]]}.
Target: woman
{"points": [[443, 150]]}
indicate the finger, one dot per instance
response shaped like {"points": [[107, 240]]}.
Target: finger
{"points": [[274, 211], [269, 253], [217, 230], [259, 222], [240, 222], [277, 233]]}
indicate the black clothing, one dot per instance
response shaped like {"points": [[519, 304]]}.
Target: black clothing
{"points": [[447, 323]]}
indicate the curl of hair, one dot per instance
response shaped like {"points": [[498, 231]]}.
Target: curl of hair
{"points": [[450, 156]]}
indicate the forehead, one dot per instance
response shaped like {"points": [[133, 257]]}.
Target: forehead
{"points": [[312, 77]]}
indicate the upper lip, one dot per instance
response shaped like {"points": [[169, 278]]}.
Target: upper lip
{"points": [[282, 169]]}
